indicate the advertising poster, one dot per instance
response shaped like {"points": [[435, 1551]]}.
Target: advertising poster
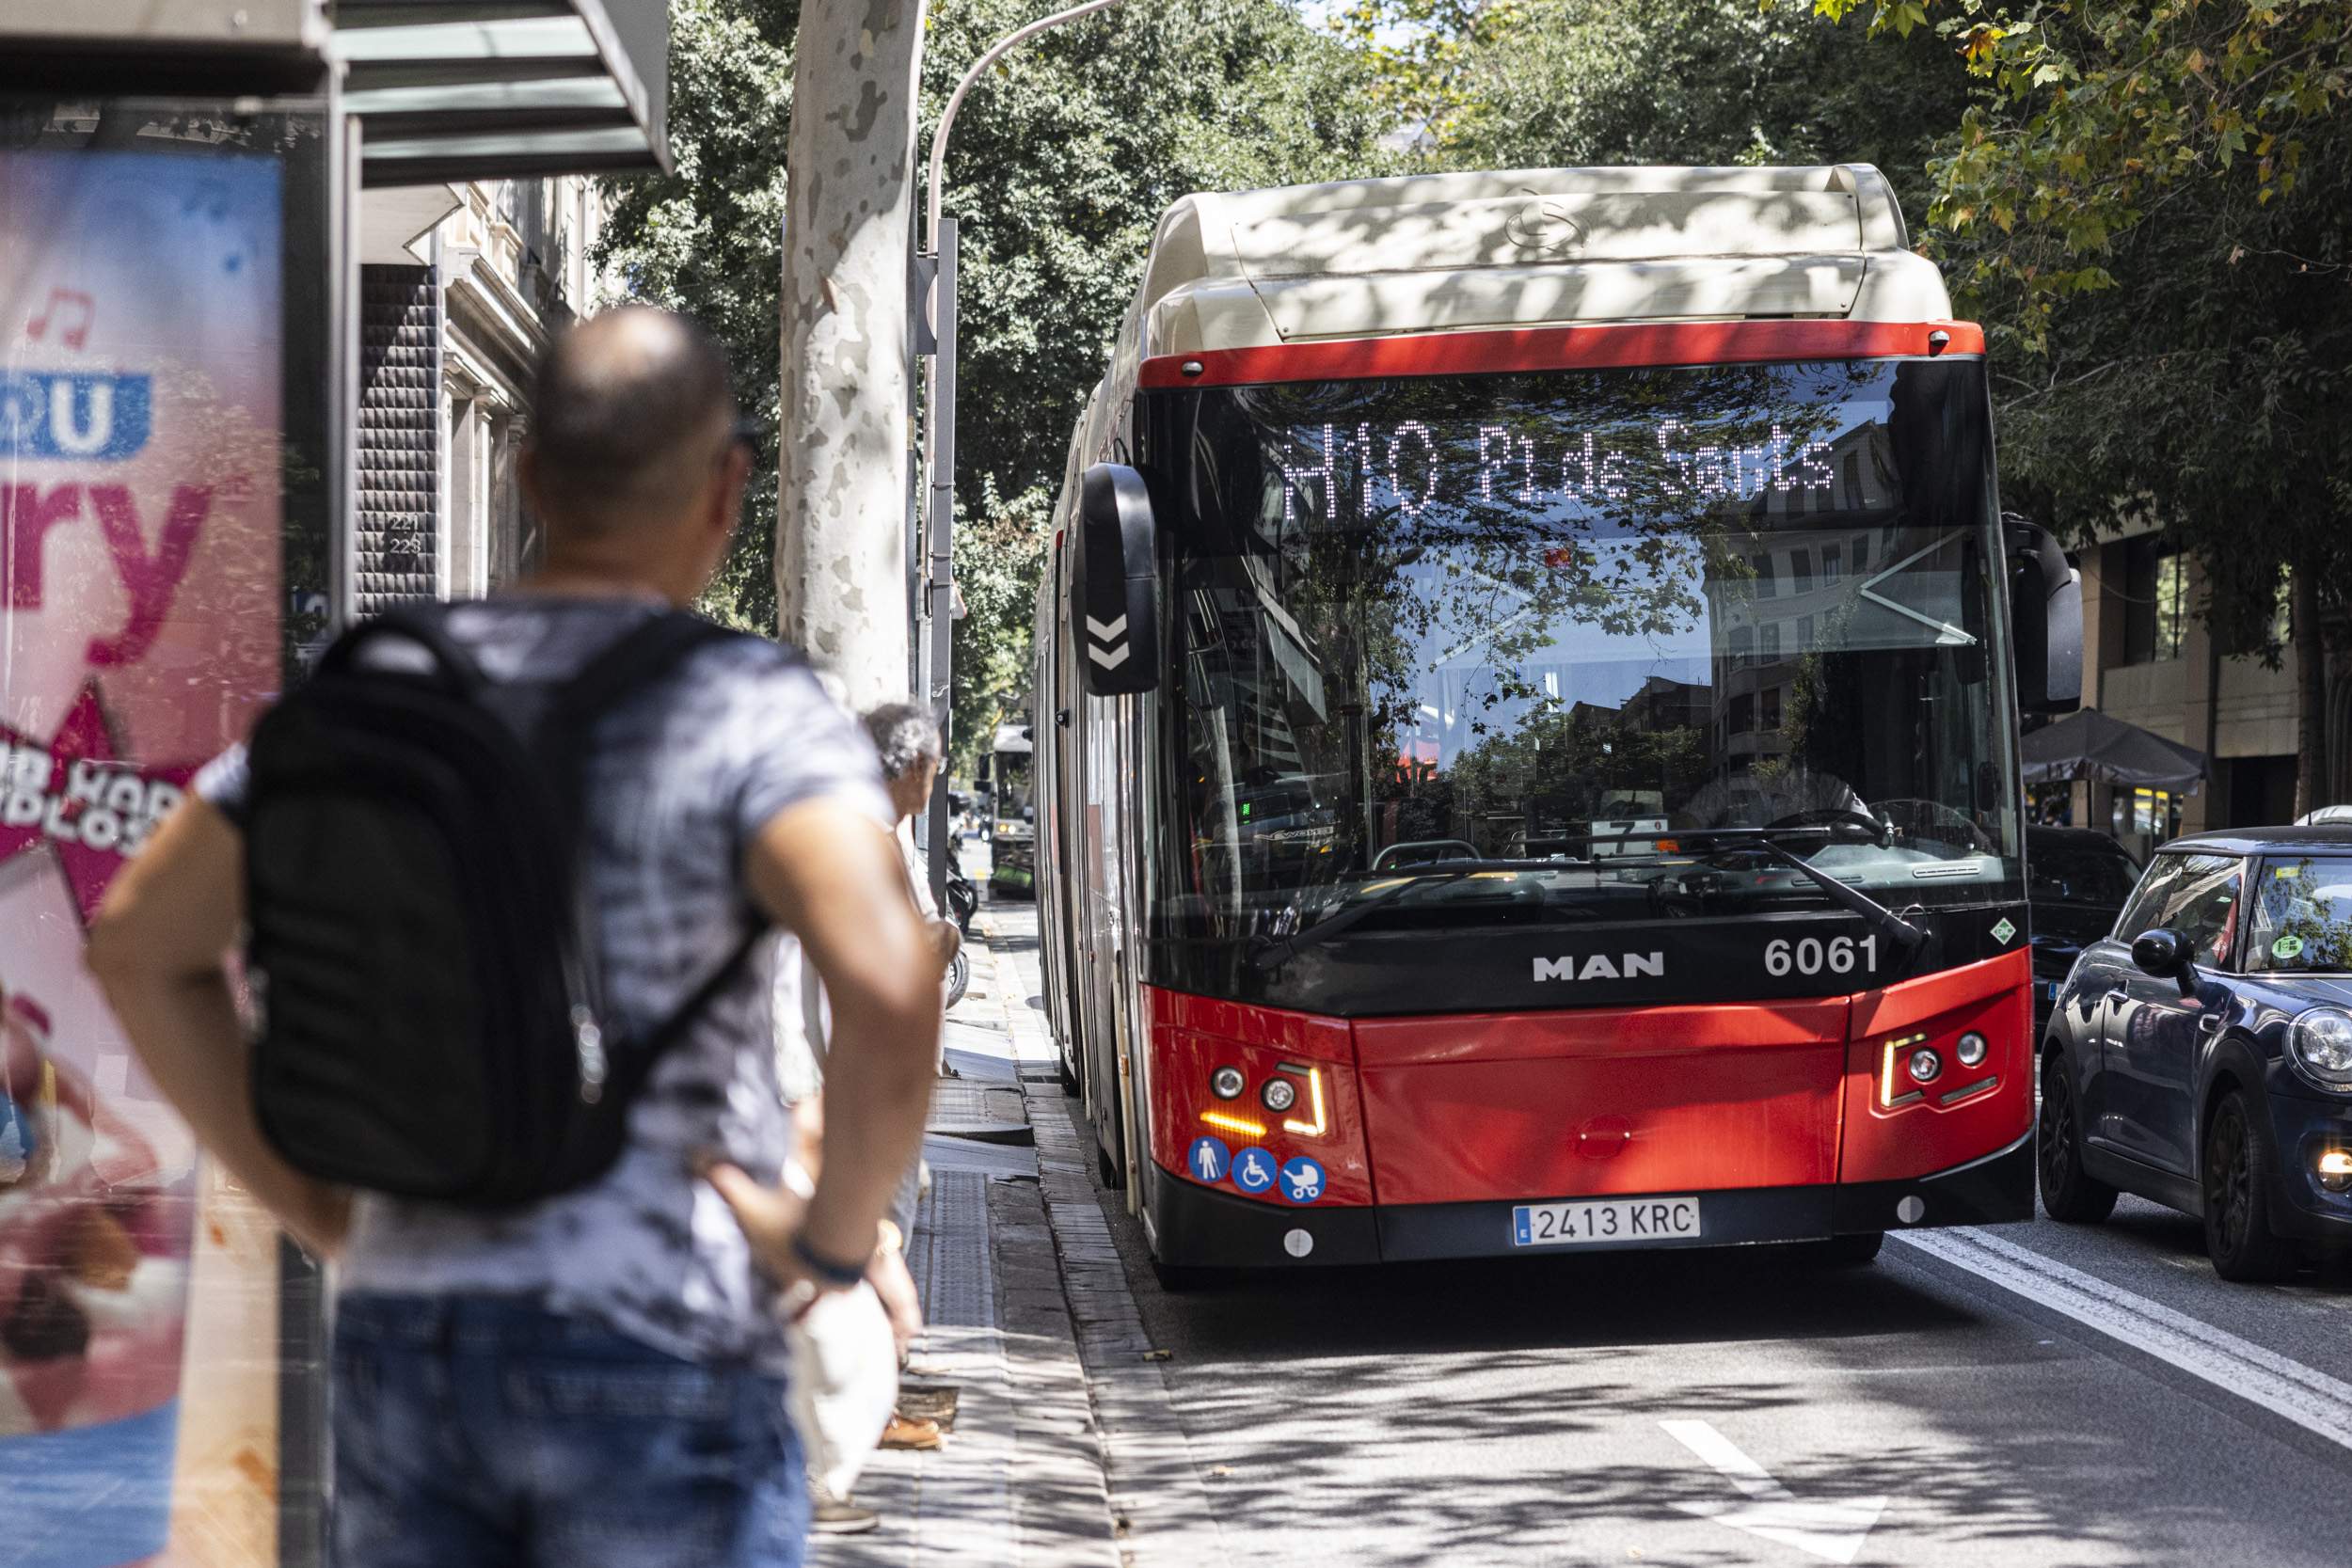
{"points": [[140, 450]]}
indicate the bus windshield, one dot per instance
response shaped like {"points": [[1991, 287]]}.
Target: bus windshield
{"points": [[1523, 629]]}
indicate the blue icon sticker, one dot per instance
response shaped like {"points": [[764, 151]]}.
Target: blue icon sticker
{"points": [[1253, 1170], [1302, 1180], [1208, 1160]]}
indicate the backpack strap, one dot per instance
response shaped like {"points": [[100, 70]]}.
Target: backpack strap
{"points": [[638, 657]]}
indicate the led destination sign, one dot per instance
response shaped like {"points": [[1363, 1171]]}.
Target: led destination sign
{"points": [[1413, 466]]}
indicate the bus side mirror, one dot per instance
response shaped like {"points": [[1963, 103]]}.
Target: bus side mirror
{"points": [[2045, 617], [1115, 594]]}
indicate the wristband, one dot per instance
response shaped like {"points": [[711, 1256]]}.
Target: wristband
{"points": [[825, 1269]]}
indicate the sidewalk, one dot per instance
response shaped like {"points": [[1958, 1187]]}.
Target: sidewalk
{"points": [[1020, 1482]]}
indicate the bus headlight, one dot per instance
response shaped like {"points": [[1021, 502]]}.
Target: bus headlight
{"points": [[2321, 1043], [1970, 1048], [1279, 1095], [1226, 1083], [1924, 1065]]}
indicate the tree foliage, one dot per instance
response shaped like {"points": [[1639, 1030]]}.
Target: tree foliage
{"points": [[1061, 162]]}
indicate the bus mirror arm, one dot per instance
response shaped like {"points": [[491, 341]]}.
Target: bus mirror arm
{"points": [[1114, 610], [2045, 618]]}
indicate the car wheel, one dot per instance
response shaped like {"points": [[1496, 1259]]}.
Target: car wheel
{"points": [[958, 976], [2238, 1168], [2070, 1195]]}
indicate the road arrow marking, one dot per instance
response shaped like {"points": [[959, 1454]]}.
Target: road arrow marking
{"points": [[1830, 1530]]}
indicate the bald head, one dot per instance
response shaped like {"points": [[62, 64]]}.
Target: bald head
{"points": [[631, 413]]}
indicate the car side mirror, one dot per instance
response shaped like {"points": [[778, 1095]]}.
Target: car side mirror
{"points": [[2165, 955], [2045, 598], [1115, 589]]}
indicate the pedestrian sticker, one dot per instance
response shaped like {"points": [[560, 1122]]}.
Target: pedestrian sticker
{"points": [[1208, 1159], [1253, 1170], [2288, 946], [1302, 1180], [2004, 930]]}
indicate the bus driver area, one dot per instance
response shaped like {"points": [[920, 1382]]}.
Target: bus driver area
{"points": [[1463, 1135]]}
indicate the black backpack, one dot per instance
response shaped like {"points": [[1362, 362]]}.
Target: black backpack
{"points": [[421, 959]]}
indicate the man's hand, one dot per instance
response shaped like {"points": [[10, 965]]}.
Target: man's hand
{"points": [[770, 1217], [158, 950]]}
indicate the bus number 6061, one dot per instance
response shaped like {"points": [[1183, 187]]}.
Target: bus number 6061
{"points": [[1812, 955]]}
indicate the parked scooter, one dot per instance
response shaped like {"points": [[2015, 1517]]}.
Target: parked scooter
{"points": [[964, 900]]}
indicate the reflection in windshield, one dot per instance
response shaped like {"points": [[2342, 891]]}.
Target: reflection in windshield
{"points": [[2303, 914], [1560, 617]]}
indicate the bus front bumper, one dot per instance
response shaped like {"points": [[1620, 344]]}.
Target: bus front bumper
{"points": [[1198, 1227]]}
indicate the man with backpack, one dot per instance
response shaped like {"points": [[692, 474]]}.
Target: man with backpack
{"points": [[505, 868]]}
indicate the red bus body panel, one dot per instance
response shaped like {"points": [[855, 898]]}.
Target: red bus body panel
{"points": [[1607, 1102], [1602, 1101]]}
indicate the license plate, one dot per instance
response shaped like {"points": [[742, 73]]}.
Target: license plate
{"points": [[1629, 1219]]}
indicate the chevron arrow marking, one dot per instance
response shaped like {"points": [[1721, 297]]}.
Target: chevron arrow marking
{"points": [[1832, 1530], [1108, 630]]}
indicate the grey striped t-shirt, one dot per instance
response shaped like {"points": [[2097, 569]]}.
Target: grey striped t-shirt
{"points": [[680, 779]]}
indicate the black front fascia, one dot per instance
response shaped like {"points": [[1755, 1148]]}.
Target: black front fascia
{"points": [[1199, 1227], [1494, 967]]}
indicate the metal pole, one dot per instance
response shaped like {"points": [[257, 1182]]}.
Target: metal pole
{"points": [[938, 627], [955, 100]]}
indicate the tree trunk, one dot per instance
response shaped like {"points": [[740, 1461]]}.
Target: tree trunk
{"points": [[841, 582], [2310, 690]]}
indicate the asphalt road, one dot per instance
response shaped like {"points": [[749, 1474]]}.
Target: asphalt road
{"points": [[2033, 1394]]}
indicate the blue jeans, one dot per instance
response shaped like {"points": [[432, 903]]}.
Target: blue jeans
{"points": [[473, 1432]]}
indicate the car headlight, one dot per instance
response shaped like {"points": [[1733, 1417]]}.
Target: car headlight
{"points": [[2321, 1043]]}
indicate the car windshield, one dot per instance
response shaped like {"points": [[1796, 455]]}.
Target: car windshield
{"points": [[1012, 783], [1548, 622], [2068, 873], [2303, 914]]}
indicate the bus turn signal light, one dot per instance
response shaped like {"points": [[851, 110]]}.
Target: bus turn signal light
{"points": [[1228, 1122], [1318, 1124]]}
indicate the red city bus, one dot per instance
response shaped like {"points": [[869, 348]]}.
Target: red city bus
{"points": [[1527, 688]]}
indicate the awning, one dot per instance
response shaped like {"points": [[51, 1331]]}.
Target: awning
{"points": [[2090, 745], [487, 89]]}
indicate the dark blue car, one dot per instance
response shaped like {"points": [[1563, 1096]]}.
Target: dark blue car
{"points": [[2201, 1055]]}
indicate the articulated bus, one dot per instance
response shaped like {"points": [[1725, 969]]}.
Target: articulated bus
{"points": [[1527, 688]]}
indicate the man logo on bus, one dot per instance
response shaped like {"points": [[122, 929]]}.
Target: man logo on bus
{"points": [[1600, 966]]}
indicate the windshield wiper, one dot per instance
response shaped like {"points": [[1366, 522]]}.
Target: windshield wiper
{"points": [[1900, 934]]}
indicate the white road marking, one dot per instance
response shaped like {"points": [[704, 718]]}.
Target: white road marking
{"points": [[1833, 1531], [2308, 1398]]}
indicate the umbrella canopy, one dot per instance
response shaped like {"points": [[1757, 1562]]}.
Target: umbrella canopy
{"points": [[2090, 745]]}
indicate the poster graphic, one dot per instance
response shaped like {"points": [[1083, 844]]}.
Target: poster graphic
{"points": [[140, 321]]}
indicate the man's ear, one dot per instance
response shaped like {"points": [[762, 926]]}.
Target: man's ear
{"points": [[735, 475]]}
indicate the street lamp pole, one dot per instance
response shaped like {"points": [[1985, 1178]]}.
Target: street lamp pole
{"points": [[934, 651]]}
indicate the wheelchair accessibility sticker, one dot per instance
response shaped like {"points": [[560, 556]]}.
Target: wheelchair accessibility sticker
{"points": [[1253, 1170]]}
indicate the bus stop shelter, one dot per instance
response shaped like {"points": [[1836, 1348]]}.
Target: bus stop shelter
{"points": [[181, 402]]}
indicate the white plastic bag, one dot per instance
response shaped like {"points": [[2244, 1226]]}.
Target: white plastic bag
{"points": [[845, 1383]]}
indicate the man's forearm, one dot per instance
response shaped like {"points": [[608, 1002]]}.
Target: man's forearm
{"points": [[187, 1035], [878, 1092]]}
